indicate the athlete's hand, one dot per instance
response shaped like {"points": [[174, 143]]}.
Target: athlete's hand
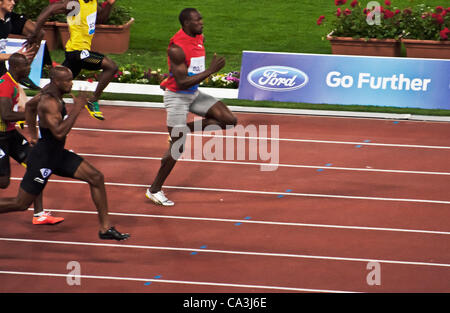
{"points": [[79, 101], [29, 52], [217, 63]]}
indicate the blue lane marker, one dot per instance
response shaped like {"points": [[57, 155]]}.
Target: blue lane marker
{"points": [[195, 252], [358, 146], [238, 224], [322, 169], [288, 190], [396, 122], [247, 217], [149, 282], [367, 140], [280, 196]]}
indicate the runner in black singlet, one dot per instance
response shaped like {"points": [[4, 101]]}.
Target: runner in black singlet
{"points": [[49, 155]]}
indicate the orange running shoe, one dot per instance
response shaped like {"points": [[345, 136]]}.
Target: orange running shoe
{"points": [[46, 218]]}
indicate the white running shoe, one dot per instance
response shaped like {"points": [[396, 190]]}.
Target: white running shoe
{"points": [[159, 198]]}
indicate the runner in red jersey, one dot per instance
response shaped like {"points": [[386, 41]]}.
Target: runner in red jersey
{"points": [[12, 143], [186, 58]]}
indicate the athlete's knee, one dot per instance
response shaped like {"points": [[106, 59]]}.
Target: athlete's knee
{"points": [[96, 178], [231, 120], [176, 149], [110, 66]]}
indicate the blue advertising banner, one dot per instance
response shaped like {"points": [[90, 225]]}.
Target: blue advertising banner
{"points": [[338, 79], [14, 45]]}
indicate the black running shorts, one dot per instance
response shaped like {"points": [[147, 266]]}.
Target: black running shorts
{"points": [[12, 144], [43, 162], [78, 60]]}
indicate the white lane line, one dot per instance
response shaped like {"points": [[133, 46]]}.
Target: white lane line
{"points": [[265, 254], [267, 164], [295, 194], [209, 219], [266, 138], [177, 282]]}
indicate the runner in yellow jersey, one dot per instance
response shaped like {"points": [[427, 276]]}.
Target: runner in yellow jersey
{"points": [[82, 16]]}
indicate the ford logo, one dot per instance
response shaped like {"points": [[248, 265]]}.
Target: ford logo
{"points": [[277, 78]]}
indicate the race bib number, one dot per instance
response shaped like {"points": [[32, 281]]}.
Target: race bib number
{"points": [[84, 54], [91, 19], [197, 65]]}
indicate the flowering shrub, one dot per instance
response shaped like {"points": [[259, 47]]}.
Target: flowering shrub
{"points": [[359, 21], [138, 74], [228, 80], [427, 23]]}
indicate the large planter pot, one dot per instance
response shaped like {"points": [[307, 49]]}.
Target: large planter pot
{"points": [[107, 38], [361, 46], [51, 36], [427, 48]]}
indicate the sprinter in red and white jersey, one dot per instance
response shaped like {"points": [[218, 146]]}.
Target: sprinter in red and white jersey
{"points": [[186, 58]]}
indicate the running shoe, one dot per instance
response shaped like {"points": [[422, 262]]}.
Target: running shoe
{"points": [[46, 218], [94, 110], [20, 124], [112, 233], [159, 198]]}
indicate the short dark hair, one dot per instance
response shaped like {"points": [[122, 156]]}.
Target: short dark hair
{"points": [[56, 71], [185, 15], [16, 59]]}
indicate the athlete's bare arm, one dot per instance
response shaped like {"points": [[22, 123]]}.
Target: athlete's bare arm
{"points": [[30, 117], [104, 11], [6, 111], [49, 111], [61, 7], [180, 71]]}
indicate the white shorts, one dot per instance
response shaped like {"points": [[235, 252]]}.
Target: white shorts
{"points": [[179, 104]]}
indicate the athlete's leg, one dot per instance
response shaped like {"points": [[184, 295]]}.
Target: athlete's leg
{"points": [[169, 159], [4, 182], [86, 172], [109, 69], [38, 204], [222, 115], [19, 203]]}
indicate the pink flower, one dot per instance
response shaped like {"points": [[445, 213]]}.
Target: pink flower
{"points": [[354, 3], [388, 14], [439, 9], [444, 33], [387, 2], [340, 2], [338, 12], [347, 12], [407, 11], [438, 18], [397, 11], [321, 18]]}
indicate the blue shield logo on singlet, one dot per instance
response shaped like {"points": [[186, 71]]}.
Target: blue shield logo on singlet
{"points": [[46, 172]]}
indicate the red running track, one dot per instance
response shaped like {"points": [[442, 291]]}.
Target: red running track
{"points": [[347, 192]]}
